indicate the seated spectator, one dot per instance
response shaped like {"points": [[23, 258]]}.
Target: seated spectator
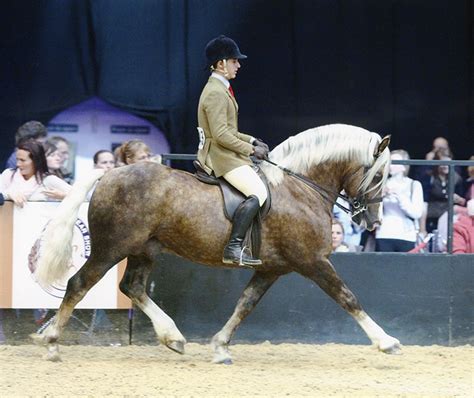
{"points": [[104, 159], [31, 180], [30, 130], [436, 191], [338, 244], [133, 151], [53, 159], [64, 151], [402, 208], [463, 231]]}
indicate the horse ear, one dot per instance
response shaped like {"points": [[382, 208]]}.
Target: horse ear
{"points": [[382, 145]]}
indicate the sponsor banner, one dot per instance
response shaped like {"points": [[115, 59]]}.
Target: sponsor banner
{"points": [[27, 226]]}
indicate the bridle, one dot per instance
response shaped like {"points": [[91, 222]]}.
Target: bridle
{"points": [[357, 205]]}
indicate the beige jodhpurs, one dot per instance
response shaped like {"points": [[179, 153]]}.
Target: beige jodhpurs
{"points": [[247, 181]]}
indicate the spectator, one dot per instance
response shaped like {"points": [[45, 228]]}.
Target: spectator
{"points": [[104, 159], [64, 149], [53, 159], [133, 151], [31, 180], [463, 231], [436, 191], [30, 130], [439, 144], [338, 244], [402, 208]]}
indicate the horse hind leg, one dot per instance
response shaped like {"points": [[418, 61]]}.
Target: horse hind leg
{"points": [[133, 284], [250, 297], [77, 287], [326, 277]]}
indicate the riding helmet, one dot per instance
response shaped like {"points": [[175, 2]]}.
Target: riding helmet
{"points": [[222, 47]]}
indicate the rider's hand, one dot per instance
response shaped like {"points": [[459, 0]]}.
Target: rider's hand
{"points": [[260, 152], [258, 142]]}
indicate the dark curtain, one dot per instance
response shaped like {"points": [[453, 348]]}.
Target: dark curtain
{"points": [[402, 67]]}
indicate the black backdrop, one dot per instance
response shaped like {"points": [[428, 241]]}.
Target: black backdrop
{"points": [[403, 67]]}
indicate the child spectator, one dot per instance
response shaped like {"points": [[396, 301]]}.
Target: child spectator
{"points": [[53, 159], [338, 244]]}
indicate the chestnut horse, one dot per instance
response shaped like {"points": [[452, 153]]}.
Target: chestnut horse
{"points": [[140, 210]]}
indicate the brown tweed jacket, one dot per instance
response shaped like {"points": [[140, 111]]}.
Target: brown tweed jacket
{"points": [[222, 148]]}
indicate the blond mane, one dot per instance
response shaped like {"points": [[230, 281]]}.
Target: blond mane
{"points": [[334, 142]]}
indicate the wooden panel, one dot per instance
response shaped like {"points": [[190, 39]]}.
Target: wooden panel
{"points": [[6, 254]]}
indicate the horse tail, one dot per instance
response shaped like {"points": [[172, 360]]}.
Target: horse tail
{"points": [[55, 245]]}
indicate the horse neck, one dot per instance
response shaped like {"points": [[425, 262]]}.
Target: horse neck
{"points": [[330, 175]]}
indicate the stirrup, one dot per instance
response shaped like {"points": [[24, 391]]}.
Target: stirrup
{"points": [[248, 262]]}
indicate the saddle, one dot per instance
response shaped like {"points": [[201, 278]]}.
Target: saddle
{"points": [[232, 199], [232, 196]]}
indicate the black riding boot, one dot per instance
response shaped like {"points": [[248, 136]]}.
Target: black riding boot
{"points": [[233, 252]]}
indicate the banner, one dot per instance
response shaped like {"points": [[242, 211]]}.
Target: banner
{"points": [[20, 236]]}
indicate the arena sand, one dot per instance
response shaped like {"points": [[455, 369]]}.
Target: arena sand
{"points": [[262, 370]]}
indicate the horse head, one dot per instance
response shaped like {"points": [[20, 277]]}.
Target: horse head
{"points": [[364, 190], [338, 157]]}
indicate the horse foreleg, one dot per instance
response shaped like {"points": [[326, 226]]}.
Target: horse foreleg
{"points": [[252, 294], [77, 287], [133, 285], [326, 277]]}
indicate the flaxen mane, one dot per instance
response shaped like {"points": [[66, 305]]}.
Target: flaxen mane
{"points": [[335, 142]]}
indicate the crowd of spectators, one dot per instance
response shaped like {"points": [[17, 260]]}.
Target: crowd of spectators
{"points": [[415, 209]]}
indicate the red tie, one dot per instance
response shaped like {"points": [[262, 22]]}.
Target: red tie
{"points": [[231, 91]]}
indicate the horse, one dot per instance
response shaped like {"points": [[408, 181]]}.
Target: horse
{"points": [[140, 210]]}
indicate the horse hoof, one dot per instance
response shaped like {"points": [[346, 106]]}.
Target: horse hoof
{"points": [[176, 346], [222, 361], [53, 356], [395, 349]]}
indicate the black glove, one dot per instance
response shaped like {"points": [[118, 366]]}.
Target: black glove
{"points": [[260, 152], [258, 142]]}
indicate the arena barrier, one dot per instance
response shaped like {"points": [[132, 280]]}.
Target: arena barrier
{"points": [[421, 299], [21, 230]]}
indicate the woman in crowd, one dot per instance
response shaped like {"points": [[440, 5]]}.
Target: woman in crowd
{"points": [[436, 191], [402, 208], [31, 179], [133, 151], [53, 159]]}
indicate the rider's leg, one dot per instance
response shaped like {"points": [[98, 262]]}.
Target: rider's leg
{"points": [[247, 181]]}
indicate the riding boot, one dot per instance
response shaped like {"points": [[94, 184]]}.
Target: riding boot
{"points": [[234, 252]]}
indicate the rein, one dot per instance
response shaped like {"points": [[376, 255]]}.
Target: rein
{"points": [[357, 205]]}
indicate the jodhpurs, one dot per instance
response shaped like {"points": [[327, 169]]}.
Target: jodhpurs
{"points": [[247, 181]]}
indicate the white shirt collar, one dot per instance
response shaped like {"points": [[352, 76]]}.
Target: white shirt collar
{"points": [[221, 78]]}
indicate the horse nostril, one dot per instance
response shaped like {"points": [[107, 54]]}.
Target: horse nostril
{"points": [[376, 223]]}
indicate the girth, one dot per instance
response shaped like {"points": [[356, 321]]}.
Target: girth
{"points": [[232, 197]]}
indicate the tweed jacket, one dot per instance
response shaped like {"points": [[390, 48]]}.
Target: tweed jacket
{"points": [[221, 148]]}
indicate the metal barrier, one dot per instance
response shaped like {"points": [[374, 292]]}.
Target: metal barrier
{"points": [[412, 162]]}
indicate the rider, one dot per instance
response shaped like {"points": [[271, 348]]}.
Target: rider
{"points": [[224, 150]]}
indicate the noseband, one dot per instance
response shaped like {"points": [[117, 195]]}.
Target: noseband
{"points": [[357, 205]]}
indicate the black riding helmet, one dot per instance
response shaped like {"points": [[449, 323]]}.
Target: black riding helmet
{"points": [[222, 47]]}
